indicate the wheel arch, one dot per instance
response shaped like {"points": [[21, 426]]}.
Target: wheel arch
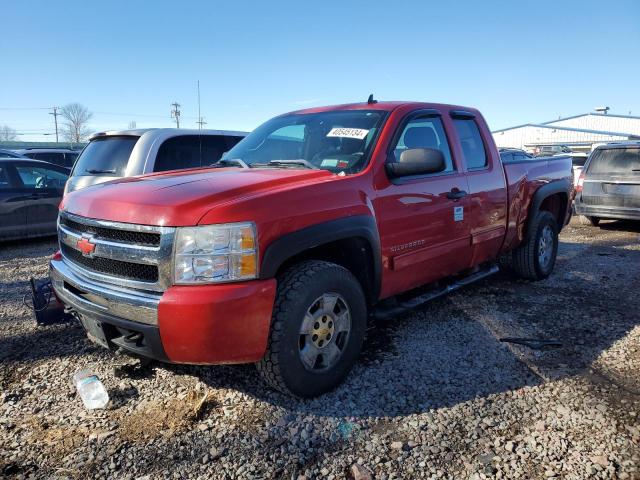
{"points": [[352, 242], [552, 197]]}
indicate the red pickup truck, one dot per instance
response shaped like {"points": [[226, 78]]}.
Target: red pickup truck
{"points": [[279, 253]]}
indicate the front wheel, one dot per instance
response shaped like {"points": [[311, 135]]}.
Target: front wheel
{"points": [[317, 329], [536, 257]]}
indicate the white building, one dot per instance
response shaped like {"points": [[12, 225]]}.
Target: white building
{"points": [[579, 132]]}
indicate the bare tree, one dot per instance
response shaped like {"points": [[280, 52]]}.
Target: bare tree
{"points": [[76, 126], [7, 134]]}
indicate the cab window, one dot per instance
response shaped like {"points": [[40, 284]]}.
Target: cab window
{"points": [[424, 132], [471, 142]]}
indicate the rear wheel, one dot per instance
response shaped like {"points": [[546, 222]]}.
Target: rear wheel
{"points": [[595, 221], [317, 329], [536, 257]]}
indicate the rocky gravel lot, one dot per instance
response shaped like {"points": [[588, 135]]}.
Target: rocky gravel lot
{"points": [[435, 394]]}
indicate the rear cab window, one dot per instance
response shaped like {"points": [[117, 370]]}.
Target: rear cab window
{"points": [[615, 161], [475, 154], [105, 156]]}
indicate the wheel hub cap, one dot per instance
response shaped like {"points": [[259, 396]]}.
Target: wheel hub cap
{"points": [[324, 332], [545, 246]]}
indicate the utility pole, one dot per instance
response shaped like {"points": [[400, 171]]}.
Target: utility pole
{"points": [[55, 119], [175, 113]]}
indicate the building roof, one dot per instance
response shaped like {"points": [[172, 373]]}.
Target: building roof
{"points": [[570, 129], [592, 114], [549, 124]]}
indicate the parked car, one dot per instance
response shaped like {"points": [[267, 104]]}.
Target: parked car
{"points": [[10, 154], [116, 154], [578, 159], [508, 155], [30, 192], [63, 157], [609, 186], [550, 150], [317, 218]]}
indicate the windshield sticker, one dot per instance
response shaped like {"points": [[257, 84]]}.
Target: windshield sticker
{"points": [[329, 162], [358, 133]]}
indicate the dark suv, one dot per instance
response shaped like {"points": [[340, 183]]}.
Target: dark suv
{"points": [[64, 157], [609, 186]]}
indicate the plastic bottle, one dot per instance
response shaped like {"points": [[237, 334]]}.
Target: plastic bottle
{"points": [[91, 390]]}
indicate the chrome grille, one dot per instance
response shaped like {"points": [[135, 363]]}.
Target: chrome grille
{"points": [[126, 255], [108, 266], [123, 236]]}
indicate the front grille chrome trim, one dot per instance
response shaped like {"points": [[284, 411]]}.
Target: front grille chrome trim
{"points": [[123, 303], [160, 255]]}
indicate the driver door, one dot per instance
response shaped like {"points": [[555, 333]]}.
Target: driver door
{"points": [[43, 187], [424, 229]]}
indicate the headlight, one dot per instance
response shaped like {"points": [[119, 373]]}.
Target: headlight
{"points": [[216, 253]]}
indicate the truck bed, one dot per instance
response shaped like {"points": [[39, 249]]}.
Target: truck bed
{"points": [[524, 178]]}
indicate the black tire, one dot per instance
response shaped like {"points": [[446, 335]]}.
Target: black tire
{"points": [[595, 221], [298, 288], [526, 259]]}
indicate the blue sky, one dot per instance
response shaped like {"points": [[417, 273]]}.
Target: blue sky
{"points": [[128, 60]]}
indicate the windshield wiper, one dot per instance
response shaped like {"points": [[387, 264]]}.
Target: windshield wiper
{"points": [[230, 162], [97, 170], [294, 163]]}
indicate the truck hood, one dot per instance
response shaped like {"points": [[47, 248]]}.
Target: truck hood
{"points": [[181, 199]]}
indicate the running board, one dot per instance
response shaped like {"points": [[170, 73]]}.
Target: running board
{"points": [[380, 313]]}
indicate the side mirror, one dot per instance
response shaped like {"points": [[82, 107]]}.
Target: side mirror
{"points": [[417, 161]]}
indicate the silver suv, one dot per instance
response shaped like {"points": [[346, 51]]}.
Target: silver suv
{"points": [[116, 154]]}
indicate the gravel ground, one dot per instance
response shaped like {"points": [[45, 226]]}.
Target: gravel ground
{"points": [[435, 394]]}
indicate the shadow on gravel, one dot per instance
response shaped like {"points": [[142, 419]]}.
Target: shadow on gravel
{"points": [[28, 248], [55, 341], [621, 225]]}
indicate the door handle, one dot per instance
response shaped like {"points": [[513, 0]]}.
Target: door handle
{"points": [[456, 194]]}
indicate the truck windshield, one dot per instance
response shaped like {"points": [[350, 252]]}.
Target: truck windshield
{"points": [[105, 156], [338, 141], [615, 161]]}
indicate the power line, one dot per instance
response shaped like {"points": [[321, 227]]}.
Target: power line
{"points": [[25, 108], [175, 113]]}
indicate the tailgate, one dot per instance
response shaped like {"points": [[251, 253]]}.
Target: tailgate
{"points": [[613, 178]]}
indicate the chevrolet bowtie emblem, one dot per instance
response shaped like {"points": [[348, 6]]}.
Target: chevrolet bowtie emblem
{"points": [[85, 246]]}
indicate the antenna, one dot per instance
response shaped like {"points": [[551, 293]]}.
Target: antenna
{"points": [[371, 101], [199, 122], [175, 113]]}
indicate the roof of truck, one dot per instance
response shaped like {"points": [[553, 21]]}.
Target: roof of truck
{"points": [[384, 106]]}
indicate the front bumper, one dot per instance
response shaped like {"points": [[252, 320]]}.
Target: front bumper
{"points": [[204, 324], [618, 213]]}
